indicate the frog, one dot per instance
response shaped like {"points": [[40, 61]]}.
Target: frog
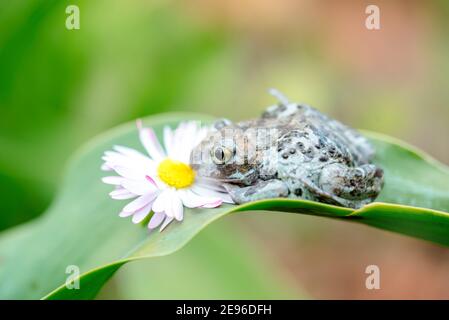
{"points": [[291, 151]]}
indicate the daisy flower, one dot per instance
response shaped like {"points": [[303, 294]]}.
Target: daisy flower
{"points": [[163, 181]]}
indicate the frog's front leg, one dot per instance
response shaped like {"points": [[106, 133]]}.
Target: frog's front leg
{"points": [[263, 189]]}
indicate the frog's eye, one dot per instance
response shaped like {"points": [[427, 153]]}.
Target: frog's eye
{"points": [[221, 155]]}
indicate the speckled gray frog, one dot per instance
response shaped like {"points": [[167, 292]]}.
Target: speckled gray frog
{"points": [[291, 151]]}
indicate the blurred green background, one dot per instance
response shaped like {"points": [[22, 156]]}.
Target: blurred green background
{"points": [[59, 88]]}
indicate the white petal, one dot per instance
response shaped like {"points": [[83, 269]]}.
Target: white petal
{"points": [[210, 185], [114, 180], [153, 180], [113, 159], [166, 223], [160, 203], [156, 220], [135, 156], [141, 214], [211, 193], [168, 140], [109, 154], [177, 207], [138, 187], [185, 136], [179, 135], [128, 151], [140, 202], [192, 200], [201, 134], [170, 203], [149, 140], [213, 204], [124, 214], [129, 173], [121, 194], [105, 167]]}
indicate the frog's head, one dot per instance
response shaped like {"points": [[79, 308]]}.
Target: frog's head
{"points": [[225, 156]]}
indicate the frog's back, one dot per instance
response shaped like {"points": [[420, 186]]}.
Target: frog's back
{"points": [[324, 131]]}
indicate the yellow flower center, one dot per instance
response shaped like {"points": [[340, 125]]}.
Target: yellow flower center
{"points": [[175, 173]]}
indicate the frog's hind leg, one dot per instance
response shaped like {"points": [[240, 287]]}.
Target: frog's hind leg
{"points": [[356, 186], [264, 189]]}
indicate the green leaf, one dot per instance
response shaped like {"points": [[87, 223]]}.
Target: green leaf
{"points": [[82, 228], [222, 262]]}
